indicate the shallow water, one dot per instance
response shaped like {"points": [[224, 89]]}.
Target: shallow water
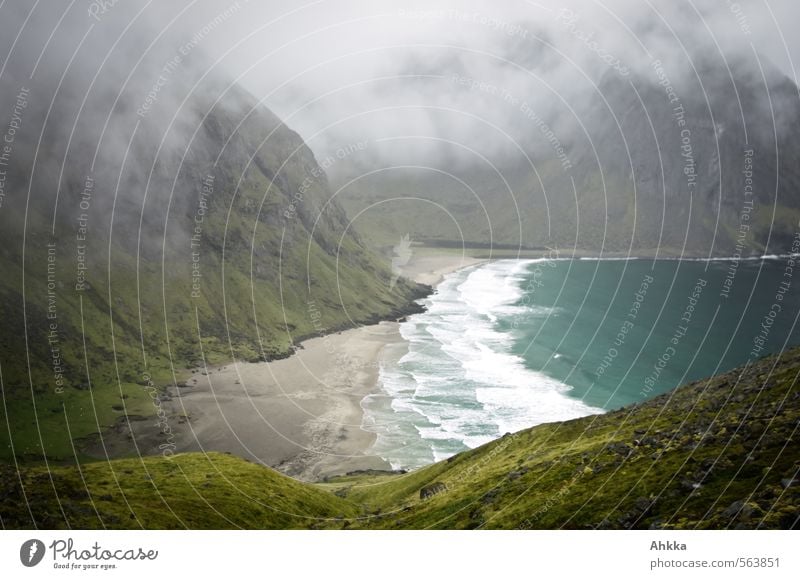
{"points": [[511, 344]]}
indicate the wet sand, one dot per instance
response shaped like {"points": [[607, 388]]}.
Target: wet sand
{"points": [[301, 415]]}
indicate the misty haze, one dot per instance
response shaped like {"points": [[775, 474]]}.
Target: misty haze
{"points": [[399, 265]]}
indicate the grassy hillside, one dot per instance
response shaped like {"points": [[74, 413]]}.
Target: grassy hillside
{"points": [[207, 249], [719, 453], [212, 491]]}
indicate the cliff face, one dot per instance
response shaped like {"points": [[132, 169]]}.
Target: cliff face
{"points": [[700, 163], [693, 158], [139, 243]]}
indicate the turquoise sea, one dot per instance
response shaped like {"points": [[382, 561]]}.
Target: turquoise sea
{"points": [[511, 344]]}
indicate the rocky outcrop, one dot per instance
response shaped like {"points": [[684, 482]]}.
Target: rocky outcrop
{"points": [[431, 490]]}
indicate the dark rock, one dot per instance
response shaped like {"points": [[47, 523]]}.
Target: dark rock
{"points": [[515, 474], [689, 485], [643, 504], [431, 490], [740, 510], [604, 524], [620, 448]]}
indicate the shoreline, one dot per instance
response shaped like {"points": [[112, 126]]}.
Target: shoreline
{"points": [[301, 414]]}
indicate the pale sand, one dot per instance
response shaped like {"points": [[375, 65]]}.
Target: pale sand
{"points": [[301, 415], [430, 268]]}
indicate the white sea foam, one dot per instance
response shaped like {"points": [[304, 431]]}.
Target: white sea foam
{"points": [[772, 256], [459, 385]]}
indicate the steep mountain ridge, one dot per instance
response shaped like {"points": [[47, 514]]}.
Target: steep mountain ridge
{"points": [[196, 236], [701, 162]]}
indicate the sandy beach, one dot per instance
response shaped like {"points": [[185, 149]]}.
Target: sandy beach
{"points": [[430, 267], [301, 415]]}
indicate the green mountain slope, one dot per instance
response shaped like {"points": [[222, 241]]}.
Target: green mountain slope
{"points": [[719, 453], [196, 491], [210, 236]]}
